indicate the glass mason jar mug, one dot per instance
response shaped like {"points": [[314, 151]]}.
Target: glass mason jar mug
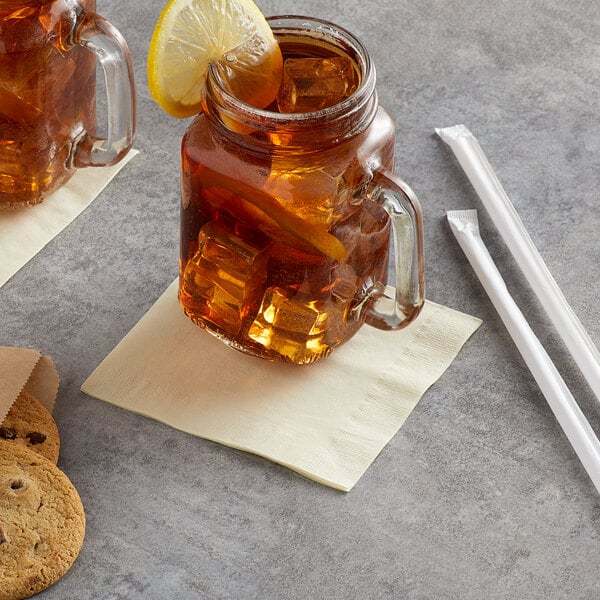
{"points": [[48, 52], [289, 213]]}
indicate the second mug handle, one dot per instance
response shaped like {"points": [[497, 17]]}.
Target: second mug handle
{"points": [[111, 50]]}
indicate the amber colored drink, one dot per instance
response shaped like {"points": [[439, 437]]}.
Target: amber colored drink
{"points": [[47, 96], [277, 240]]}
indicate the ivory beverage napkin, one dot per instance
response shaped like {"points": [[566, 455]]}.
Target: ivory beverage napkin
{"points": [[327, 421], [25, 231], [29, 370]]}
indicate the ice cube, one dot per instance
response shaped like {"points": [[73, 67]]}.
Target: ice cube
{"points": [[15, 110], [25, 146], [365, 235], [74, 92], [41, 75], [309, 192], [224, 277], [21, 31], [293, 325], [311, 84], [298, 271]]}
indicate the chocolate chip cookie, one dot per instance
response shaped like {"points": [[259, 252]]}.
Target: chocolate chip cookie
{"points": [[30, 424], [42, 522]]}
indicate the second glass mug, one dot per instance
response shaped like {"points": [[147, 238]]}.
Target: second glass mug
{"points": [[287, 218], [48, 52]]}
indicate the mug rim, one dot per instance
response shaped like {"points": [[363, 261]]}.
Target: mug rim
{"points": [[328, 30]]}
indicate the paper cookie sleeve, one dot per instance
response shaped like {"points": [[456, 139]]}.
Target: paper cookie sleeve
{"points": [[26, 369]]}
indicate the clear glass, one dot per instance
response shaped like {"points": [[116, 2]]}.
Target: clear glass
{"points": [[287, 218], [48, 55]]}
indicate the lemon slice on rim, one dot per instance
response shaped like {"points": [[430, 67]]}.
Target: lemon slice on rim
{"points": [[191, 34]]}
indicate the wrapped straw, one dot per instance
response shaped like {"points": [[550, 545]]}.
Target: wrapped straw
{"points": [[465, 227], [505, 217]]}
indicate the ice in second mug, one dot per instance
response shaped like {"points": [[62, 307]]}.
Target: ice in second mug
{"points": [[48, 51], [287, 213]]}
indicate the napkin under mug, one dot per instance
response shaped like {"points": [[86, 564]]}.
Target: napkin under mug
{"points": [[327, 421], [24, 231]]}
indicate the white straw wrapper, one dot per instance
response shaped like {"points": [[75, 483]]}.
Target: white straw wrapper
{"points": [[505, 217], [465, 227]]}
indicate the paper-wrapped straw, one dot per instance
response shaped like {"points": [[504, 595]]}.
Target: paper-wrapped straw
{"points": [[505, 217], [465, 227]]}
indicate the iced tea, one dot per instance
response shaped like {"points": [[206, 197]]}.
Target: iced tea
{"points": [[47, 99], [279, 241]]}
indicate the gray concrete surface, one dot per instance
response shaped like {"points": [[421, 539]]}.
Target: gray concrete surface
{"points": [[479, 495]]}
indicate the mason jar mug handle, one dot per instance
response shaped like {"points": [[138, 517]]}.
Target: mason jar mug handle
{"points": [[393, 304], [106, 42]]}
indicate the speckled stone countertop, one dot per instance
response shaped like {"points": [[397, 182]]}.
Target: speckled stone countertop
{"points": [[479, 495]]}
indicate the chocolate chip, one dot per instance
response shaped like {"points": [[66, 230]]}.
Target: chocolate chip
{"points": [[16, 484], [7, 433], [2, 536], [35, 437]]}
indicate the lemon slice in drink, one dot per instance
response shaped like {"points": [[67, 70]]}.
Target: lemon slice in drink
{"points": [[191, 34], [313, 235]]}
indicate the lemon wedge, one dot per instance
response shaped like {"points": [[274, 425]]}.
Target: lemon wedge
{"points": [[191, 34], [313, 235]]}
